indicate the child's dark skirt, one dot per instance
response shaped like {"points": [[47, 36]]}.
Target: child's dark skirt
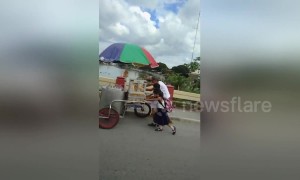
{"points": [[161, 117]]}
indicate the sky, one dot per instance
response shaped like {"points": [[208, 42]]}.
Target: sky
{"points": [[166, 28]]}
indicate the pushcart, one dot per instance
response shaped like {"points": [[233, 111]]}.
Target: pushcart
{"points": [[134, 98]]}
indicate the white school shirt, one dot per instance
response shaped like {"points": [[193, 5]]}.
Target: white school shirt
{"points": [[164, 89], [158, 105]]}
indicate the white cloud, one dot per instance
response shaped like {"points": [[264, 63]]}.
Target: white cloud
{"points": [[119, 29], [146, 3], [172, 43]]}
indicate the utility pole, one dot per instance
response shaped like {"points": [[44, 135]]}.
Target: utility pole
{"points": [[195, 37]]}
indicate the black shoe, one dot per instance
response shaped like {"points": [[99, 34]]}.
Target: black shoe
{"points": [[152, 124], [158, 129], [174, 131]]}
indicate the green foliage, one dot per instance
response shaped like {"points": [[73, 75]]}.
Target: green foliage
{"points": [[176, 80], [191, 85], [182, 83], [145, 68], [183, 70], [163, 68], [178, 76], [194, 65], [180, 79]]}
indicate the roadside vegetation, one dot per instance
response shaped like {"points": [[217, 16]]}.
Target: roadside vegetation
{"points": [[181, 76]]}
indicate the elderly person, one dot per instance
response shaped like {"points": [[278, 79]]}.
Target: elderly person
{"points": [[163, 87]]}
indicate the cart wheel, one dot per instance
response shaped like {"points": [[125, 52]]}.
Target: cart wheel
{"points": [[142, 110], [109, 122]]}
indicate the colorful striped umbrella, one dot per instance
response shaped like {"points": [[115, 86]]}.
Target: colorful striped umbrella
{"points": [[128, 53]]}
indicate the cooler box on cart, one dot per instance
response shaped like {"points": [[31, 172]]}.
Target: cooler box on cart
{"points": [[108, 94]]}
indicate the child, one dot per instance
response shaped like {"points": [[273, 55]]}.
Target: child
{"points": [[153, 104], [151, 97], [160, 116]]}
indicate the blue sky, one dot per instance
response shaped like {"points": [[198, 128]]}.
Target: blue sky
{"points": [[168, 6], [153, 16], [175, 6]]}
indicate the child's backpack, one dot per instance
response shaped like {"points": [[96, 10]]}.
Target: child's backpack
{"points": [[168, 105]]}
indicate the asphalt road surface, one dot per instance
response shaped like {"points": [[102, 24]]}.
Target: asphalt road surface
{"points": [[185, 114], [134, 151]]}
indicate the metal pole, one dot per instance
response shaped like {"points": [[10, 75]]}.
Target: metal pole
{"points": [[195, 37]]}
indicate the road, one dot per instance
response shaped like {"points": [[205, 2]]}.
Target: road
{"points": [[134, 151], [179, 113]]}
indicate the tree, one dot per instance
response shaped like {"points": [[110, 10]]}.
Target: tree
{"points": [[176, 80], [145, 68], [182, 70], [163, 68], [194, 65]]}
